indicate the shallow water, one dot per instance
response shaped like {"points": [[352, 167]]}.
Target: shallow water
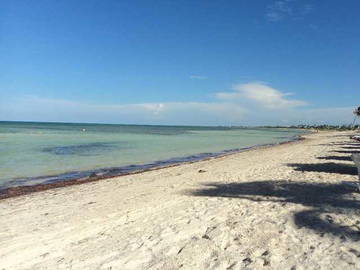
{"points": [[30, 151]]}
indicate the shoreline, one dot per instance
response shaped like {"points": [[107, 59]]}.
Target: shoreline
{"points": [[100, 174]]}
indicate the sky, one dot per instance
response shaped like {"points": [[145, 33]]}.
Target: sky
{"points": [[213, 62]]}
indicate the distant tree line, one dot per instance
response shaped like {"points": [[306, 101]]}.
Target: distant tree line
{"points": [[327, 127], [323, 127]]}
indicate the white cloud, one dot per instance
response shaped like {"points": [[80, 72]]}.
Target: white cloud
{"points": [[282, 9], [246, 104], [198, 77], [278, 10], [262, 94], [33, 108]]}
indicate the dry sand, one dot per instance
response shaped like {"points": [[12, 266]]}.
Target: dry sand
{"points": [[282, 207]]}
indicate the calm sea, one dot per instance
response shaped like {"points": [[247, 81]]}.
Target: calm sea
{"points": [[33, 153]]}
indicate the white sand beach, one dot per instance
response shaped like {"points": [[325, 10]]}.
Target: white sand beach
{"points": [[281, 207]]}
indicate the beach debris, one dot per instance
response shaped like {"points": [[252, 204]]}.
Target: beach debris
{"points": [[201, 171], [329, 219], [355, 137], [181, 249], [205, 236], [247, 261], [44, 255], [231, 266], [93, 175], [355, 252]]}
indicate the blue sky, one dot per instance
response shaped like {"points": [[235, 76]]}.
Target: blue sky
{"points": [[180, 62]]}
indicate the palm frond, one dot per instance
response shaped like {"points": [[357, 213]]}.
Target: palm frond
{"points": [[357, 111]]}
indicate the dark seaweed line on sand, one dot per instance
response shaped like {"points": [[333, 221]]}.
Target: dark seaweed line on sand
{"points": [[80, 177]]}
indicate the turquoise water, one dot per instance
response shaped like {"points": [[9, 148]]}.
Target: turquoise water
{"points": [[29, 151]]}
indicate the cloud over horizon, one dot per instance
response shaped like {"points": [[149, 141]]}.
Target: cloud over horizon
{"points": [[45, 109], [262, 94], [252, 103]]}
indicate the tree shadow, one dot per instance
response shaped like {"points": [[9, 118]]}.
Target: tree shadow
{"points": [[326, 202], [328, 167], [341, 158], [348, 143], [346, 152], [351, 147], [341, 143]]}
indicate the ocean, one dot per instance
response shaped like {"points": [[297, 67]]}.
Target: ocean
{"points": [[32, 153]]}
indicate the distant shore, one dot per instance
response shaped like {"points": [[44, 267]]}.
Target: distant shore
{"points": [[280, 207]]}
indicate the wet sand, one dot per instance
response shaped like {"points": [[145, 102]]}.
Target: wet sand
{"points": [[282, 207]]}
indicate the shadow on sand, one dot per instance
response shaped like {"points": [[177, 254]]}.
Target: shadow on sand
{"points": [[326, 202], [341, 144], [341, 158], [328, 167], [346, 152]]}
